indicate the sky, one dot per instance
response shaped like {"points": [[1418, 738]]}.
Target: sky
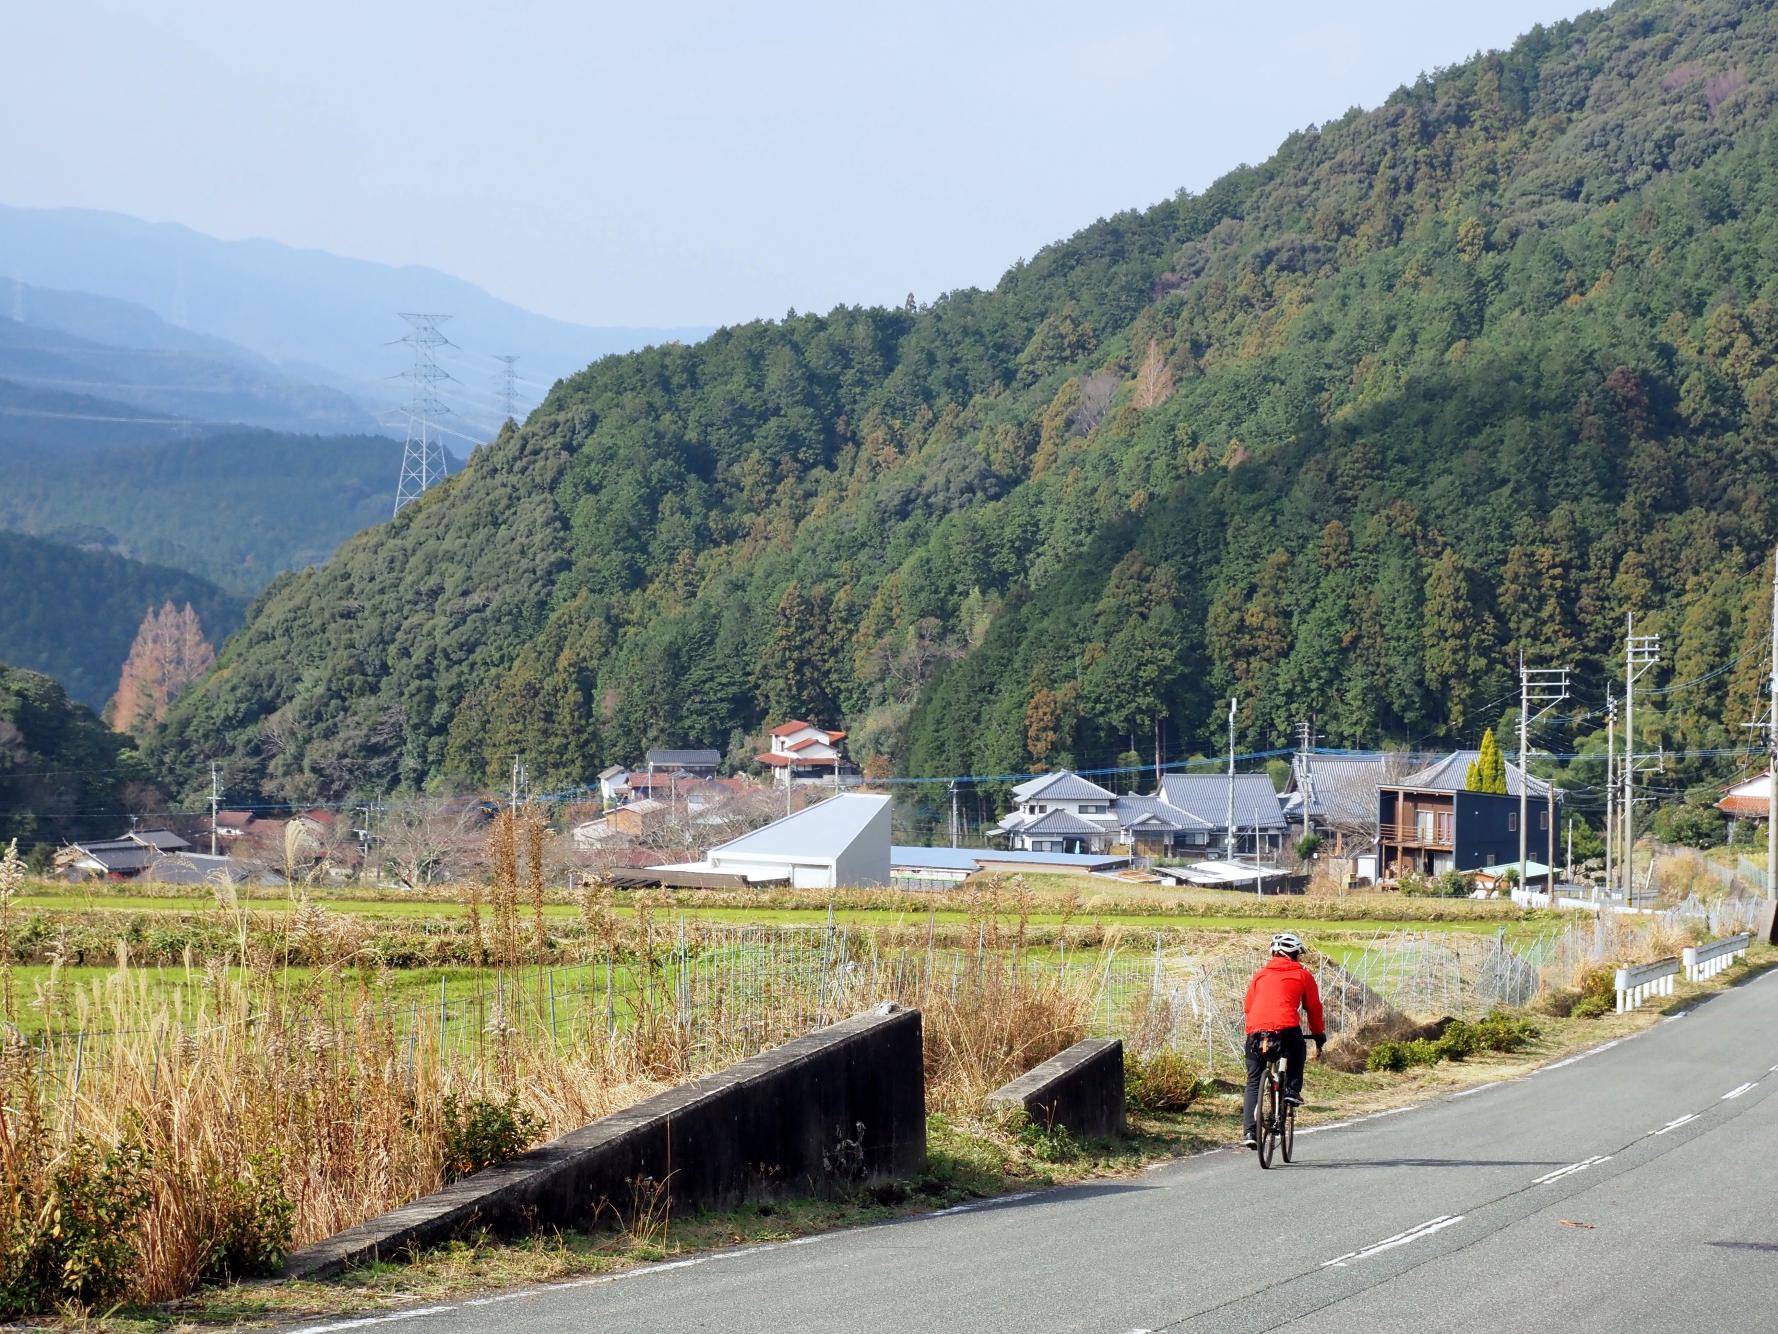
{"points": [[677, 163]]}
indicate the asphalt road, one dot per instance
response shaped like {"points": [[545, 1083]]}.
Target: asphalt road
{"points": [[1629, 1188]]}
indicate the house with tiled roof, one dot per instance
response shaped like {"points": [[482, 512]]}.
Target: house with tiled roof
{"points": [[805, 753], [1063, 812], [1428, 822]]}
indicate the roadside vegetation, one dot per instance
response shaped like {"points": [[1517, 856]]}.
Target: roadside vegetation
{"points": [[190, 1094]]}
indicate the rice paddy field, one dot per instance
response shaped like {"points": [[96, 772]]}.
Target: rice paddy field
{"points": [[243, 1073]]}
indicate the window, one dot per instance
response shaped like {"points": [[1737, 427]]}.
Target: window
{"points": [[1094, 808], [1543, 819], [1512, 822]]}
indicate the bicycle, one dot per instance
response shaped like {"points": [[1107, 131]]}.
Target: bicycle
{"points": [[1277, 1117]]}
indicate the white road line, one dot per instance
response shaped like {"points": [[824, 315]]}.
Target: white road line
{"points": [[1572, 1168], [1425, 1229], [976, 1205], [1735, 1093], [1581, 1056], [1478, 1088], [1356, 1121], [1674, 1125], [590, 1281]]}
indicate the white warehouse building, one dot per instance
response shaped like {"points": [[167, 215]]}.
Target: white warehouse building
{"points": [[842, 841]]}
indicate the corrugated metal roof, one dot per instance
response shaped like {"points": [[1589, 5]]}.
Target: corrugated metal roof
{"points": [[665, 759], [821, 832], [971, 859], [1205, 796], [163, 839]]}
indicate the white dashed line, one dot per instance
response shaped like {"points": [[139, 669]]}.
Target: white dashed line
{"points": [[1674, 1125], [1571, 1169], [1734, 1093], [1425, 1229]]}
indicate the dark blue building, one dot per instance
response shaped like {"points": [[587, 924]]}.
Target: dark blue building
{"points": [[1428, 823]]}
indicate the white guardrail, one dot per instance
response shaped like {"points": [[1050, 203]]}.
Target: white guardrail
{"points": [[1635, 985], [1704, 961]]}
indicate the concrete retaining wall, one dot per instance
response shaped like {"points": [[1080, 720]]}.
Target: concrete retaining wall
{"points": [[1081, 1088], [842, 1106]]}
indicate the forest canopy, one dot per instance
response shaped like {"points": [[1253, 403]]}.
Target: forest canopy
{"points": [[1476, 373]]}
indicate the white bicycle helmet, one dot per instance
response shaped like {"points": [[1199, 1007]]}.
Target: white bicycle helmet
{"points": [[1286, 943]]}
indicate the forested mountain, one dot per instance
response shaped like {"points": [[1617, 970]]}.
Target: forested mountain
{"points": [[63, 773], [1476, 372], [72, 614], [235, 507]]}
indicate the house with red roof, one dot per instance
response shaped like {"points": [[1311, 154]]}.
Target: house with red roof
{"points": [[805, 753]]}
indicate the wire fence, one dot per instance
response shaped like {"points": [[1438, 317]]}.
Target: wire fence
{"points": [[728, 991]]}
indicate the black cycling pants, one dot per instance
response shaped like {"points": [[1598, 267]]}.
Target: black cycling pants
{"points": [[1296, 1051]]}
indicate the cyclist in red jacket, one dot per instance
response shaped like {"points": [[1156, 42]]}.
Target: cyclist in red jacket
{"points": [[1276, 996]]}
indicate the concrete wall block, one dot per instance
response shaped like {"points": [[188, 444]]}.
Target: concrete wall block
{"points": [[842, 1107], [1081, 1088]]}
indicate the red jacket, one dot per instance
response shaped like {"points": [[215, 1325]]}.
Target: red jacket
{"points": [[1277, 992]]}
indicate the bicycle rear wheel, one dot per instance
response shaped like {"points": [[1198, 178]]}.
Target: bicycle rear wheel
{"points": [[1287, 1141], [1268, 1119]]}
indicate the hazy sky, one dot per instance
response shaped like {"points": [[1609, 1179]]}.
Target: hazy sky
{"points": [[671, 163]]}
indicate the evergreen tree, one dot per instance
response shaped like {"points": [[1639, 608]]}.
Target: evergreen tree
{"points": [[1487, 772]]}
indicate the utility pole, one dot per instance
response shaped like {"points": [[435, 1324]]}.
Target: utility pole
{"points": [[517, 768], [1640, 653], [1303, 737], [1548, 687], [1570, 872], [1229, 844], [1772, 750], [1610, 781], [423, 456], [953, 813], [1550, 792], [215, 801]]}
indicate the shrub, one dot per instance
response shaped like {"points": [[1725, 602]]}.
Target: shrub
{"points": [[484, 1132], [1598, 992], [1403, 1055], [1048, 1144], [254, 1221], [1504, 1032], [1163, 1081], [1458, 1040], [70, 1229]]}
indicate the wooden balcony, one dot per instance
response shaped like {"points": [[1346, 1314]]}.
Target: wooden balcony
{"points": [[1441, 833]]}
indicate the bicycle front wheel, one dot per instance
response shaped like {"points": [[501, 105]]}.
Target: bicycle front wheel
{"points": [[1268, 1120]]}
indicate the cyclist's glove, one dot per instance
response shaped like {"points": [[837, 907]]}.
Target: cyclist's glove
{"points": [[1320, 1040]]}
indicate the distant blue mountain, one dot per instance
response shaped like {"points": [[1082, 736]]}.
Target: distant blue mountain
{"points": [[124, 353], [319, 316]]}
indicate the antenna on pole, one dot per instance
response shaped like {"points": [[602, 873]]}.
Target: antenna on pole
{"points": [[509, 387], [423, 456]]}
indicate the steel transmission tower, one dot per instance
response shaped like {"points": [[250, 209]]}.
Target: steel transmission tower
{"points": [[423, 457], [509, 389]]}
